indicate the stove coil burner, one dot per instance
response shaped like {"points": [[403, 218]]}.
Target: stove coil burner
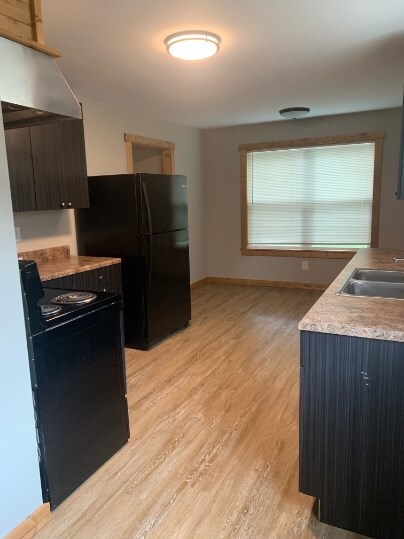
{"points": [[74, 298], [49, 310]]}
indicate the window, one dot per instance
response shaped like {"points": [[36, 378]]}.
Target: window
{"points": [[311, 197]]}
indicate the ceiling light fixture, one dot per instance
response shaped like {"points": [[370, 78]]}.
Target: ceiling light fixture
{"points": [[192, 44], [294, 113]]}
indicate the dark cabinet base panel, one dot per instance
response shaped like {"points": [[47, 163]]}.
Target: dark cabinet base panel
{"points": [[352, 432], [105, 279]]}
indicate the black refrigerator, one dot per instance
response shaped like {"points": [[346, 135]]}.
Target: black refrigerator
{"points": [[143, 219]]}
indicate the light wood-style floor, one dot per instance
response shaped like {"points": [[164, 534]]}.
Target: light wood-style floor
{"points": [[213, 451]]}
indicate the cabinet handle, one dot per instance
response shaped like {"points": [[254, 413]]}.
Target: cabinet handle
{"points": [[70, 204], [100, 277], [63, 205]]}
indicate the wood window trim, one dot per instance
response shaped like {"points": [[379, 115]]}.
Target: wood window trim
{"points": [[253, 250], [166, 151]]}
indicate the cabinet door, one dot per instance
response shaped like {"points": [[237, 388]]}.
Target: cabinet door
{"points": [[400, 184], [18, 146], [59, 162], [333, 426], [352, 432], [105, 279]]}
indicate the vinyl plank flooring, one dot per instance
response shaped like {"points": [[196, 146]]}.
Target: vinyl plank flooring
{"points": [[213, 412]]}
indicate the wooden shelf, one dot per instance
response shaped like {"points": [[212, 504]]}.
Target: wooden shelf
{"points": [[30, 43]]}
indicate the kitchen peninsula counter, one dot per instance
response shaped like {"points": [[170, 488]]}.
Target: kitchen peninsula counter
{"points": [[351, 427], [56, 262], [373, 318]]}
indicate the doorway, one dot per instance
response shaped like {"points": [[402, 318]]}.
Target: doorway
{"points": [[145, 154]]}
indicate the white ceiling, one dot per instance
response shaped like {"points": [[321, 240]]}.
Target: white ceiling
{"points": [[334, 57]]}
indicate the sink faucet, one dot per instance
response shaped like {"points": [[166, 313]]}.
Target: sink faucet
{"points": [[395, 259]]}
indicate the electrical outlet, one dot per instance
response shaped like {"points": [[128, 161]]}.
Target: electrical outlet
{"points": [[17, 231], [305, 265]]}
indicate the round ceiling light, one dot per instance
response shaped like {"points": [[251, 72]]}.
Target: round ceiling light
{"points": [[294, 113], [192, 45]]}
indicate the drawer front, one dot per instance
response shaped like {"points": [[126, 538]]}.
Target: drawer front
{"points": [[107, 277], [113, 288], [60, 282]]}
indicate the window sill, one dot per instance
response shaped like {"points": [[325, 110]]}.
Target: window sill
{"points": [[302, 253]]}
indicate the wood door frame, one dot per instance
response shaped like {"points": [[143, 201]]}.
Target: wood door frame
{"points": [[165, 148]]}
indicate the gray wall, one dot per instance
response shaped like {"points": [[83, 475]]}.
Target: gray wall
{"points": [[104, 126], [222, 194], [146, 160], [20, 490]]}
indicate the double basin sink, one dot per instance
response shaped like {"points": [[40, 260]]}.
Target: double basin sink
{"points": [[375, 284]]}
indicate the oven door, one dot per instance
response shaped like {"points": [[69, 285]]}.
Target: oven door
{"points": [[80, 401]]}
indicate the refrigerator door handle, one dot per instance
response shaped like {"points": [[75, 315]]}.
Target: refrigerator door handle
{"points": [[148, 255], [150, 242], [146, 199]]}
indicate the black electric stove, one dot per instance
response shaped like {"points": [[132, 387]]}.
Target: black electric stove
{"points": [[59, 306], [77, 366]]}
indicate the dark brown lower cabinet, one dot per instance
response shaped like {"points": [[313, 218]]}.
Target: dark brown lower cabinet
{"points": [[105, 279], [352, 432]]}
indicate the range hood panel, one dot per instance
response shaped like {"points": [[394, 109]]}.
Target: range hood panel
{"points": [[33, 80]]}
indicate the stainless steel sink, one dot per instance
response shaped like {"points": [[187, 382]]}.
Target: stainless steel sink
{"points": [[375, 284], [374, 289], [384, 276]]}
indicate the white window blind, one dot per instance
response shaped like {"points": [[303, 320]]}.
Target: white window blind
{"points": [[315, 197]]}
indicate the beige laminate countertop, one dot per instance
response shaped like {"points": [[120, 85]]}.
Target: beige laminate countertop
{"points": [[373, 318], [55, 262], [74, 264]]}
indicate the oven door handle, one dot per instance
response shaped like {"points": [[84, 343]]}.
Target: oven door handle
{"points": [[122, 331]]}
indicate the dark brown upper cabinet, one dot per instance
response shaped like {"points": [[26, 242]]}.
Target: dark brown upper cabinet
{"points": [[19, 157], [47, 166], [400, 183]]}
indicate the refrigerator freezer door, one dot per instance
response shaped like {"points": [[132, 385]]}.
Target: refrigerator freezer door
{"points": [[167, 288], [110, 226], [163, 204]]}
